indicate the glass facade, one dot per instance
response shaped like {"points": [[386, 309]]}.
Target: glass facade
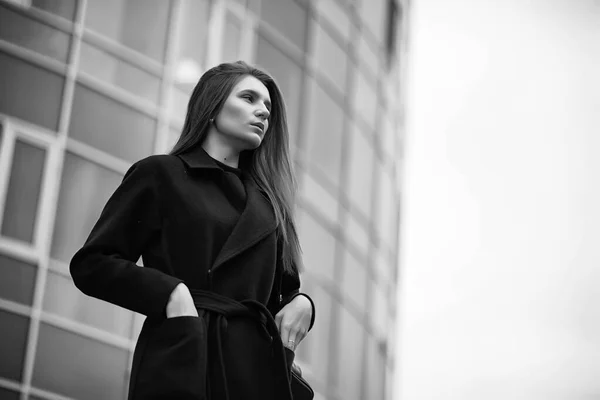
{"points": [[90, 86]]}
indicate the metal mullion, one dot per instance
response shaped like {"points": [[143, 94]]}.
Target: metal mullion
{"points": [[6, 154], [165, 96], [53, 174], [32, 57], [15, 308], [102, 158], [45, 394], [54, 21], [19, 249], [216, 27], [10, 384], [87, 331]]}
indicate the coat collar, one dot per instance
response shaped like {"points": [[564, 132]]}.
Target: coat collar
{"points": [[256, 221], [197, 158]]}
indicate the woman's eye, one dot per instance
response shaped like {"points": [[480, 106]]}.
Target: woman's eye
{"points": [[247, 97]]}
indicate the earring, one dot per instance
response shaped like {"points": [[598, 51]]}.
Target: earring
{"points": [[212, 120]]}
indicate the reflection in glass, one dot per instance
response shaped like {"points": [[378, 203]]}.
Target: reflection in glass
{"points": [[21, 95], [23, 192], [17, 280], [85, 188], [288, 75], [32, 34], [121, 74], [110, 126], [288, 17], [63, 298], [92, 371], [13, 336], [137, 24]]}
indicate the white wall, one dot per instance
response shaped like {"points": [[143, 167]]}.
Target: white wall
{"points": [[500, 291]]}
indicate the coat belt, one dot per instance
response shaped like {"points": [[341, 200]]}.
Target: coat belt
{"points": [[222, 308]]}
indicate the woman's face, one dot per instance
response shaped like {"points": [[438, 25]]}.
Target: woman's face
{"points": [[244, 118]]}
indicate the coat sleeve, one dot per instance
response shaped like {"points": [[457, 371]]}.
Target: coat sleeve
{"points": [[105, 267]]}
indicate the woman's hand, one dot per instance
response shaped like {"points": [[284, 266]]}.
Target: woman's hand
{"points": [[181, 303], [293, 321]]}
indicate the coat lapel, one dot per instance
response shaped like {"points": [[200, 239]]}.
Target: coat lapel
{"points": [[256, 222]]}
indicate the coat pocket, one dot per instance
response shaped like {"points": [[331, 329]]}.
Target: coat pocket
{"points": [[173, 364]]}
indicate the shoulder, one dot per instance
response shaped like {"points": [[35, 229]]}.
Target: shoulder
{"points": [[160, 165]]}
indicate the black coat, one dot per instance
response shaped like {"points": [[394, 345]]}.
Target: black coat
{"points": [[167, 210]]}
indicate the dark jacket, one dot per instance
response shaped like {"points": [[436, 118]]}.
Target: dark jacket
{"points": [[167, 210]]}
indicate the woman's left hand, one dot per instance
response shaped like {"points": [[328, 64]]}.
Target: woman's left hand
{"points": [[293, 321]]}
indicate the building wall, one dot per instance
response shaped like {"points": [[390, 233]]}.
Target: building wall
{"points": [[91, 86], [500, 257]]}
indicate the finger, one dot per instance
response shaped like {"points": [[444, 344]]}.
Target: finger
{"points": [[278, 319], [293, 339]]}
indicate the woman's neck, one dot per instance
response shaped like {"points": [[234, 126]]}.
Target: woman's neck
{"points": [[221, 152]]}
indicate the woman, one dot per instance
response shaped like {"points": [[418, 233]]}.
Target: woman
{"points": [[213, 223]]}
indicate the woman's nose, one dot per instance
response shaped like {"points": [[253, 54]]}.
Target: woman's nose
{"points": [[262, 113]]}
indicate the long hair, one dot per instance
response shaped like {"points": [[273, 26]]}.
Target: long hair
{"points": [[269, 165]]}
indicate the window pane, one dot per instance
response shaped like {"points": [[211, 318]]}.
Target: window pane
{"points": [[138, 24], [354, 281], [350, 351], [365, 99], [84, 190], [231, 39], [336, 14], [92, 370], [6, 394], [331, 58], [379, 310], [320, 198], [375, 368], [288, 75], [318, 246], [111, 126], [288, 17], [23, 192], [357, 233], [360, 177], [180, 103], [63, 8], [63, 298], [17, 280], [325, 133], [13, 337], [367, 55], [372, 13], [22, 95], [386, 218], [315, 348], [192, 45], [121, 74], [34, 35]]}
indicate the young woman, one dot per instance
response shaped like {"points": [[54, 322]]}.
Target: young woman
{"points": [[213, 222]]}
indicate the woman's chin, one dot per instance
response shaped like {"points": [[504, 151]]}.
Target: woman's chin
{"points": [[251, 142]]}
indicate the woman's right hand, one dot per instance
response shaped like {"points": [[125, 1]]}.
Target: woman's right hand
{"points": [[181, 303]]}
